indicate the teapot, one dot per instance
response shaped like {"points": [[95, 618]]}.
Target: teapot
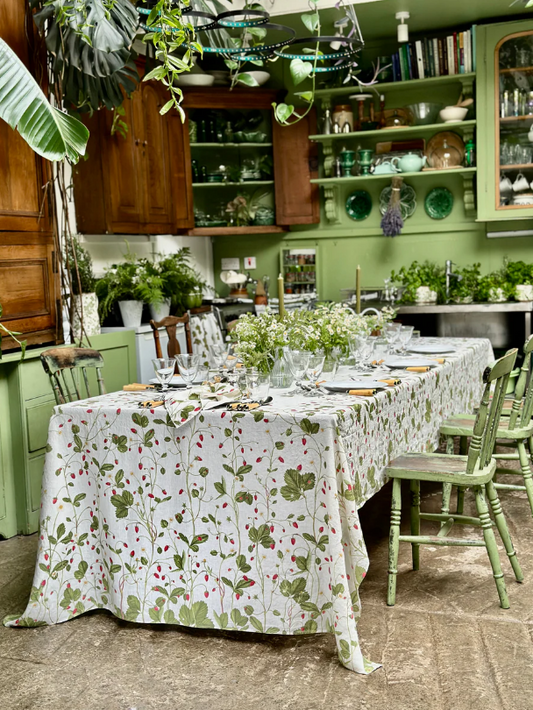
{"points": [[409, 163], [385, 168]]}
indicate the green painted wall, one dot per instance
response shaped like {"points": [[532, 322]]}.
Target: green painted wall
{"points": [[341, 247]]}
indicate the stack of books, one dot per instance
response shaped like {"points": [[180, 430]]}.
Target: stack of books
{"points": [[442, 56]]}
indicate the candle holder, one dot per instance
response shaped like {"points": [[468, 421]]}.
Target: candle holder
{"points": [[365, 160], [347, 162]]}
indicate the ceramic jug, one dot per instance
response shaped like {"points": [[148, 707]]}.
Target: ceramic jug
{"points": [[410, 163]]}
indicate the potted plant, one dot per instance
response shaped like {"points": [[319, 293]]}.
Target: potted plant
{"points": [[422, 283], [494, 288], [152, 289], [121, 285], [465, 290], [84, 306], [182, 284], [520, 276]]}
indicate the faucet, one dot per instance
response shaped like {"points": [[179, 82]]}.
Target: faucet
{"points": [[450, 275]]}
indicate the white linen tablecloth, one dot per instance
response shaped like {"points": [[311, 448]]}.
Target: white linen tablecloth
{"points": [[233, 520]]}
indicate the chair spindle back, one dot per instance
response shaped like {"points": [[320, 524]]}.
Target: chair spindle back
{"points": [[525, 412], [64, 365], [489, 412]]}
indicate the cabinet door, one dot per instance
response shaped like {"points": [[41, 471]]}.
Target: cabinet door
{"points": [[27, 283], [157, 185], [23, 202], [505, 132], [295, 164], [123, 169], [180, 170]]}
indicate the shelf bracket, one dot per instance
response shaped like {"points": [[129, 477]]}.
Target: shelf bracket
{"points": [[331, 202], [469, 195], [329, 158], [468, 85]]}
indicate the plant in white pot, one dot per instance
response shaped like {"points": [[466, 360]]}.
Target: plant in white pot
{"points": [[84, 306], [121, 285], [465, 289], [520, 275], [152, 289], [182, 284], [422, 283], [494, 288]]}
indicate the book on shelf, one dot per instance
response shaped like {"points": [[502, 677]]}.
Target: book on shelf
{"points": [[450, 51], [420, 60], [437, 63]]}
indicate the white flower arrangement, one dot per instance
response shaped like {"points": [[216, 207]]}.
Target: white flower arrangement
{"points": [[259, 338]]}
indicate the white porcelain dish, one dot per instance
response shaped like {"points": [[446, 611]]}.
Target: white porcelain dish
{"points": [[402, 362], [195, 80], [452, 114], [346, 385], [431, 349], [260, 76]]}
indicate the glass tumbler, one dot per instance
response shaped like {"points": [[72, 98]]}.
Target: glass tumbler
{"points": [[188, 366], [164, 370]]}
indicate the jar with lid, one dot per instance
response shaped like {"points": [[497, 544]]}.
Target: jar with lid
{"points": [[342, 115]]}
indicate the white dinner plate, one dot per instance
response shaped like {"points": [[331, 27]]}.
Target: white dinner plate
{"points": [[176, 381], [401, 362], [430, 349], [347, 385]]}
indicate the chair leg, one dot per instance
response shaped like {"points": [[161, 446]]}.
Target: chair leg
{"points": [[447, 487], [490, 544], [463, 450], [526, 472], [415, 522], [394, 542], [501, 524]]}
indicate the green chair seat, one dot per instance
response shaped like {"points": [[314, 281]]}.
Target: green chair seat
{"points": [[442, 467], [463, 425]]}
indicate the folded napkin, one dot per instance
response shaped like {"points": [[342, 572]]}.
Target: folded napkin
{"points": [[418, 369], [391, 382], [184, 405], [152, 403], [440, 360], [363, 393]]}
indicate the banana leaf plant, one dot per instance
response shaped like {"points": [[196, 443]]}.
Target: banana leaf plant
{"points": [[11, 334], [47, 130]]}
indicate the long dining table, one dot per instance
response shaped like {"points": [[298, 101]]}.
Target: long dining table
{"points": [[220, 519]]}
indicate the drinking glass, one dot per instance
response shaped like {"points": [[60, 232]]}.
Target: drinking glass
{"points": [[298, 361], [164, 370], [381, 349], [315, 367], [188, 366], [391, 333], [258, 385], [357, 346], [219, 354], [406, 333]]}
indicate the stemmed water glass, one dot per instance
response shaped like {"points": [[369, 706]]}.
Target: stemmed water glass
{"points": [[314, 368], [406, 333], [188, 366], [391, 332], [164, 370], [219, 354], [298, 361]]}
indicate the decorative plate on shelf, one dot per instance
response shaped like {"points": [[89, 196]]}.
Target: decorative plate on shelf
{"points": [[358, 204], [407, 200], [439, 203]]}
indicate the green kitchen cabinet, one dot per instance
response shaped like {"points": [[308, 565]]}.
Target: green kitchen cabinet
{"points": [[26, 404], [505, 121]]}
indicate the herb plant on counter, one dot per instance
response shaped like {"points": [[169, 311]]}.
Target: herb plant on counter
{"points": [[419, 275], [466, 290]]}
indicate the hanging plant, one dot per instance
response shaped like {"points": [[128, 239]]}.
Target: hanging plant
{"points": [[11, 334]]}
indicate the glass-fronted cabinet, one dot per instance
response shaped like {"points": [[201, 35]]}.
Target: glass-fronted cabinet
{"points": [[299, 269], [505, 135]]}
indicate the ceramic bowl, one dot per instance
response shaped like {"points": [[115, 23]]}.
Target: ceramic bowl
{"points": [[452, 114], [424, 112], [195, 80], [260, 76]]}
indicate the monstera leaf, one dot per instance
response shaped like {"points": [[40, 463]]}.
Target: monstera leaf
{"points": [[91, 50], [48, 131]]}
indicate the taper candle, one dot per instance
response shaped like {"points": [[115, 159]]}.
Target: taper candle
{"points": [[358, 289], [281, 296]]}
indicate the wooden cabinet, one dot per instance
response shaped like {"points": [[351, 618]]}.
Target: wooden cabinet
{"points": [[126, 185], [143, 183], [24, 200], [505, 149]]}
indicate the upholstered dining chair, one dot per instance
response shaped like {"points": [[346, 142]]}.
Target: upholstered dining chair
{"points": [[475, 471], [170, 323], [57, 362], [515, 431]]}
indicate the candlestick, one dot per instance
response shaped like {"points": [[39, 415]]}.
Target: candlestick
{"points": [[281, 296], [358, 289]]}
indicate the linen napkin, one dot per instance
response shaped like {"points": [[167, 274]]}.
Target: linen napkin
{"points": [[183, 405], [391, 381], [418, 369], [363, 393]]}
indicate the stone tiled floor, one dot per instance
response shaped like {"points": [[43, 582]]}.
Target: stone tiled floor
{"points": [[446, 645]]}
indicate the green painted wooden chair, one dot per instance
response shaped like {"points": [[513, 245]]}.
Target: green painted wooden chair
{"points": [[58, 361], [515, 430], [475, 471]]}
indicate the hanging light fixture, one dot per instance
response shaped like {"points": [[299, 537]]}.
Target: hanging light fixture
{"points": [[403, 29]]}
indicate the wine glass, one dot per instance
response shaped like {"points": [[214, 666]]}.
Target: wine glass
{"points": [[357, 347], [391, 332], [298, 361], [219, 354], [164, 370], [258, 385], [406, 333], [188, 366], [381, 349], [315, 367]]}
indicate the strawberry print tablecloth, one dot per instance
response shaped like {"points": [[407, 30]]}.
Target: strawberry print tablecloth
{"points": [[231, 520]]}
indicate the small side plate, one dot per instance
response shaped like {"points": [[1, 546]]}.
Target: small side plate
{"points": [[358, 205]]}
